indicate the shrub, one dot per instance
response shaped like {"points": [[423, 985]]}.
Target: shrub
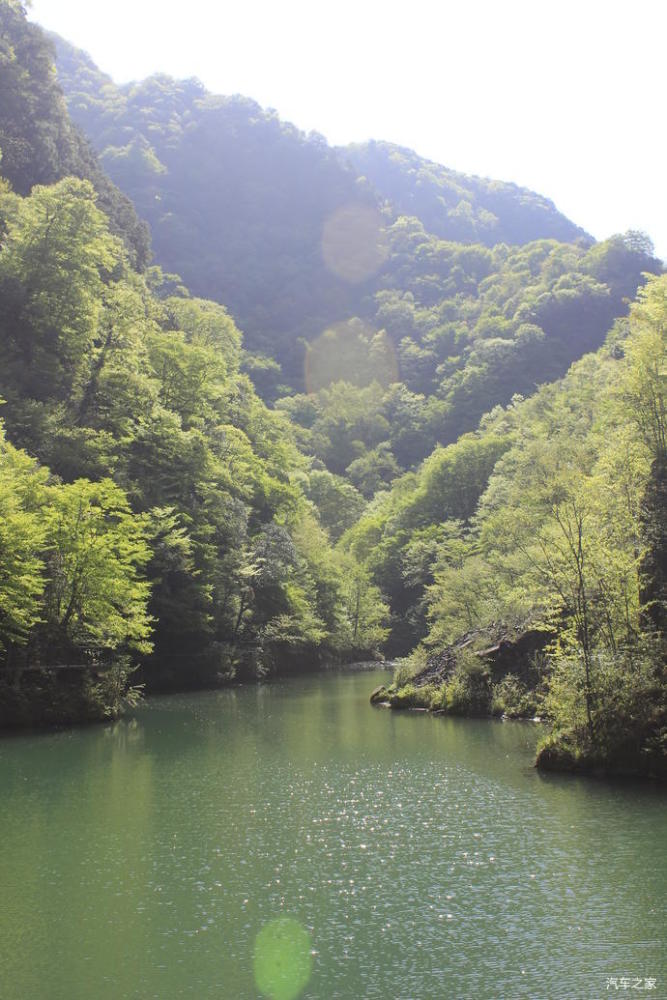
{"points": [[410, 696], [468, 691], [404, 671], [511, 697]]}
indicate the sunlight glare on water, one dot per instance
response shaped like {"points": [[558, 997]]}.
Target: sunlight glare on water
{"points": [[217, 844]]}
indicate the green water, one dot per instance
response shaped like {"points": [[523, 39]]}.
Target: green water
{"points": [[424, 856]]}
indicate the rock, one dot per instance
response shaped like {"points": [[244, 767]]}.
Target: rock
{"points": [[504, 649], [378, 694]]}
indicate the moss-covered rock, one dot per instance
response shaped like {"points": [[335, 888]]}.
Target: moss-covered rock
{"points": [[379, 695]]}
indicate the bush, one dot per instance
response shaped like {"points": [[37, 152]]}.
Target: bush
{"points": [[63, 697], [468, 691], [439, 698], [404, 671], [511, 697], [628, 712], [410, 696]]}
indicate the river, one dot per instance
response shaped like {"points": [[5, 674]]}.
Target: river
{"points": [[415, 857]]}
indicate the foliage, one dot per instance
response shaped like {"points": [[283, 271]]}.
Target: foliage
{"points": [[96, 552], [459, 457], [456, 207], [38, 142], [176, 528], [22, 539], [560, 539], [512, 698], [454, 297]]}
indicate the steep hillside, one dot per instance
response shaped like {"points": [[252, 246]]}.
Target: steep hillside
{"points": [[457, 330], [274, 223], [455, 206], [237, 200], [533, 554], [424, 332], [39, 144], [153, 511]]}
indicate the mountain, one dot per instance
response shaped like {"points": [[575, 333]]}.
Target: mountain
{"points": [[394, 332], [241, 204], [530, 556], [236, 199], [455, 206], [154, 513], [477, 461]]}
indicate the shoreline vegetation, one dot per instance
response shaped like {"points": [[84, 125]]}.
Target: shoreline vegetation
{"points": [[503, 674], [65, 695]]}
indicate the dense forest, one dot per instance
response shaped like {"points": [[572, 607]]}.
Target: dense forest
{"points": [[530, 557], [153, 509], [440, 434]]}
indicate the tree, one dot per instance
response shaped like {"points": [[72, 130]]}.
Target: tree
{"points": [[96, 551], [22, 539], [366, 614], [56, 255], [373, 470], [642, 390], [338, 503]]}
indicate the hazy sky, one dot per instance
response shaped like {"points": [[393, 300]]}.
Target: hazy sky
{"points": [[566, 98]]}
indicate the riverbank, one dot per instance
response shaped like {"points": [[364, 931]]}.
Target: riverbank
{"points": [[555, 752], [56, 697], [493, 671], [498, 672]]}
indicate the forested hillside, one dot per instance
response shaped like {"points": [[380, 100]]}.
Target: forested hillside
{"points": [[236, 198], [358, 402], [455, 206], [301, 241], [286, 231], [458, 330], [548, 522], [152, 509], [40, 143]]}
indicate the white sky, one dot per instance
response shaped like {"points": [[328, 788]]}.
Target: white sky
{"points": [[567, 97]]}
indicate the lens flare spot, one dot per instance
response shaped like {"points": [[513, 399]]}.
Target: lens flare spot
{"points": [[283, 959], [351, 351], [354, 242]]}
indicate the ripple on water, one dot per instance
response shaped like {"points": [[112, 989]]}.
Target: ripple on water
{"points": [[422, 857]]}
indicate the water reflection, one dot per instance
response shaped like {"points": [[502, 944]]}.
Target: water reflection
{"points": [[425, 856]]}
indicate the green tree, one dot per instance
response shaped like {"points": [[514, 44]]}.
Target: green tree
{"points": [[22, 539], [55, 258], [96, 595]]}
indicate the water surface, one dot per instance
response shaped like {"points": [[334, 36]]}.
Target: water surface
{"points": [[425, 856]]}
